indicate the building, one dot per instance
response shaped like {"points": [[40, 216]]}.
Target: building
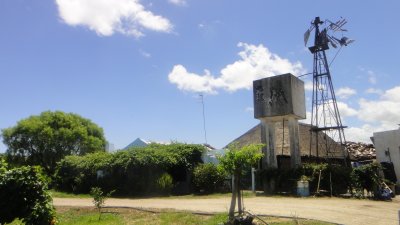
{"points": [[387, 145], [138, 142], [253, 136]]}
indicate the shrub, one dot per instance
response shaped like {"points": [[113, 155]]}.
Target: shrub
{"points": [[335, 175], [23, 195], [366, 177], [99, 198], [131, 172], [208, 178], [165, 183]]}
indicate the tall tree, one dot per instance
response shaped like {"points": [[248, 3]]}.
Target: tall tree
{"points": [[235, 161], [47, 138]]}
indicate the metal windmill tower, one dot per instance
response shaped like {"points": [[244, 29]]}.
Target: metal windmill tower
{"points": [[325, 117]]}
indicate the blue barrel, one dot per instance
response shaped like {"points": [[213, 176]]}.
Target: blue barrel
{"points": [[303, 189]]}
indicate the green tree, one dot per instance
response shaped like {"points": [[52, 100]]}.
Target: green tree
{"points": [[99, 198], [235, 161], [47, 138]]}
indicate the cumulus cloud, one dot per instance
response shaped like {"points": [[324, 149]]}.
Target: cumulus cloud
{"points": [[345, 110], [308, 85], [374, 91], [377, 115], [345, 92], [255, 62], [385, 110], [359, 134], [106, 17], [249, 109], [307, 120], [178, 2]]}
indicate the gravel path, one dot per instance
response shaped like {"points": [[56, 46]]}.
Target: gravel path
{"points": [[337, 210]]}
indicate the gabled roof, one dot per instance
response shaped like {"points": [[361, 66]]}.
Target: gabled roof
{"points": [[138, 142]]}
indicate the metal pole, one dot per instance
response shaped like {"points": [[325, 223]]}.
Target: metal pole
{"points": [[204, 119]]}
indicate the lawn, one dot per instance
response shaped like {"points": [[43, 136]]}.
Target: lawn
{"points": [[126, 216], [89, 215], [59, 194]]}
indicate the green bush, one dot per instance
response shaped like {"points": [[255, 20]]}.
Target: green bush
{"points": [[131, 172], [165, 183], [366, 177], [23, 195], [285, 179], [208, 178]]}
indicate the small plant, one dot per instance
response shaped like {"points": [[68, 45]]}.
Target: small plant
{"points": [[165, 183], [99, 198]]}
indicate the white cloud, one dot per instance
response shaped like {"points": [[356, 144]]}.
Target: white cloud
{"points": [[308, 85], [106, 17], [255, 62], [345, 92], [345, 110], [374, 91], [191, 81], [178, 2], [359, 134], [385, 111], [371, 77], [144, 53], [307, 120], [249, 109]]}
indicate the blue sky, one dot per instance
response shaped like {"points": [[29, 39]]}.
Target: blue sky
{"points": [[136, 67]]}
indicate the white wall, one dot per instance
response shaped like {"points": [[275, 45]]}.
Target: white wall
{"points": [[388, 141]]}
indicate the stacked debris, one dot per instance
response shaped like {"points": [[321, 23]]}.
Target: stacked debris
{"points": [[360, 151]]}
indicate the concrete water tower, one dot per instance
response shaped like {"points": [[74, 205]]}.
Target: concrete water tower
{"points": [[276, 99]]}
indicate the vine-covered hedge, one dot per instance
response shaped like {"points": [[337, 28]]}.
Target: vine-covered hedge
{"points": [[136, 171]]}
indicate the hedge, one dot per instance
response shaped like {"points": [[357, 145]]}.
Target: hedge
{"points": [[136, 171]]}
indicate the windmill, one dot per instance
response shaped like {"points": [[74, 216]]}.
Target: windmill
{"points": [[325, 116]]}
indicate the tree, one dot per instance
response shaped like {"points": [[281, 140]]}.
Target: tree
{"points": [[23, 195], [47, 138], [99, 198], [235, 161]]}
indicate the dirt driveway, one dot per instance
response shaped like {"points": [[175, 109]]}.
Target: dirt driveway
{"points": [[337, 210]]}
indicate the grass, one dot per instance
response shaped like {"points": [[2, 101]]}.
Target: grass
{"points": [[59, 194], [246, 194], [78, 216], [69, 216], [123, 216]]}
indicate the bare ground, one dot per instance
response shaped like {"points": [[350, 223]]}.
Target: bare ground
{"points": [[336, 210]]}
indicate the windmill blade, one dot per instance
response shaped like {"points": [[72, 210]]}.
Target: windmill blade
{"points": [[333, 45], [338, 25], [306, 36], [341, 22], [332, 41], [349, 41]]}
